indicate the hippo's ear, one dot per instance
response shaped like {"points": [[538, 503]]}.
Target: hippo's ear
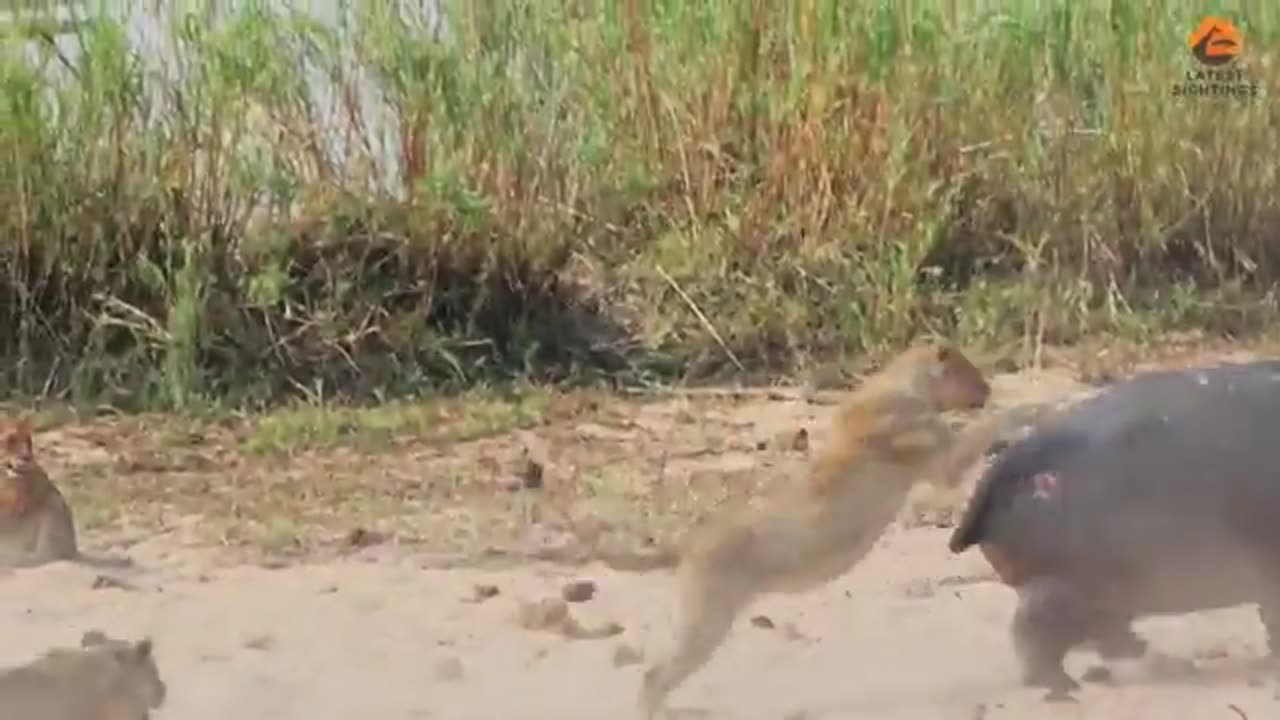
{"points": [[93, 637]]}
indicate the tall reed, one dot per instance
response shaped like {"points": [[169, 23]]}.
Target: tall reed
{"points": [[260, 202]]}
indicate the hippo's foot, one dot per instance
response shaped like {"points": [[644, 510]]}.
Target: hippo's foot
{"points": [[1046, 672], [1055, 680], [1120, 643], [1058, 686], [1059, 696], [1098, 674]]}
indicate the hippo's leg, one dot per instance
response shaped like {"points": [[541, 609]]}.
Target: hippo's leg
{"points": [[1051, 618]]}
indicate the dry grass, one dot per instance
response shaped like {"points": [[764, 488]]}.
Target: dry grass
{"points": [[632, 190], [625, 472], [632, 471]]}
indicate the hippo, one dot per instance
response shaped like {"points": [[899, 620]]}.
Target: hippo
{"points": [[1160, 495]]}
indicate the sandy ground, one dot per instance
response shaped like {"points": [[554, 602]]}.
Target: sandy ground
{"points": [[913, 633]]}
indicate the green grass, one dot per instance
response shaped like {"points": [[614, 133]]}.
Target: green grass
{"points": [[629, 190], [308, 425]]}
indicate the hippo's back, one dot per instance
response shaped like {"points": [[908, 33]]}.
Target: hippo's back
{"points": [[1174, 459]]}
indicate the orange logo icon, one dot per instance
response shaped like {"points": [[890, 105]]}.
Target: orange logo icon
{"points": [[1215, 41]]}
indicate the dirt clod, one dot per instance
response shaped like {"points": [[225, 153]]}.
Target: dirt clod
{"points": [[104, 582], [578, 591], [260, 641], [363, 538], [800, 440], [552, 615]]}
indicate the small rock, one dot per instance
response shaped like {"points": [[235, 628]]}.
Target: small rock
{"points": [[624, 655], [449, 670], [800, 441], [762, 621], [578, 591], [483, 591], [103, 582], [259, 642], [552, 615]]}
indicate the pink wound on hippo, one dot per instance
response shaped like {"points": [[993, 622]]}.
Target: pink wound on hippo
{"points": [[1045, 484]]}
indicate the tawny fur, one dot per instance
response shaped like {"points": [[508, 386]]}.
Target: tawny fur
{"points": [[103, 679], [888, 436], [36, 524]]}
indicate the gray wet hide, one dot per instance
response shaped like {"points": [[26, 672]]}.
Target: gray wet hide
{"points": [[1167, 485]]}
